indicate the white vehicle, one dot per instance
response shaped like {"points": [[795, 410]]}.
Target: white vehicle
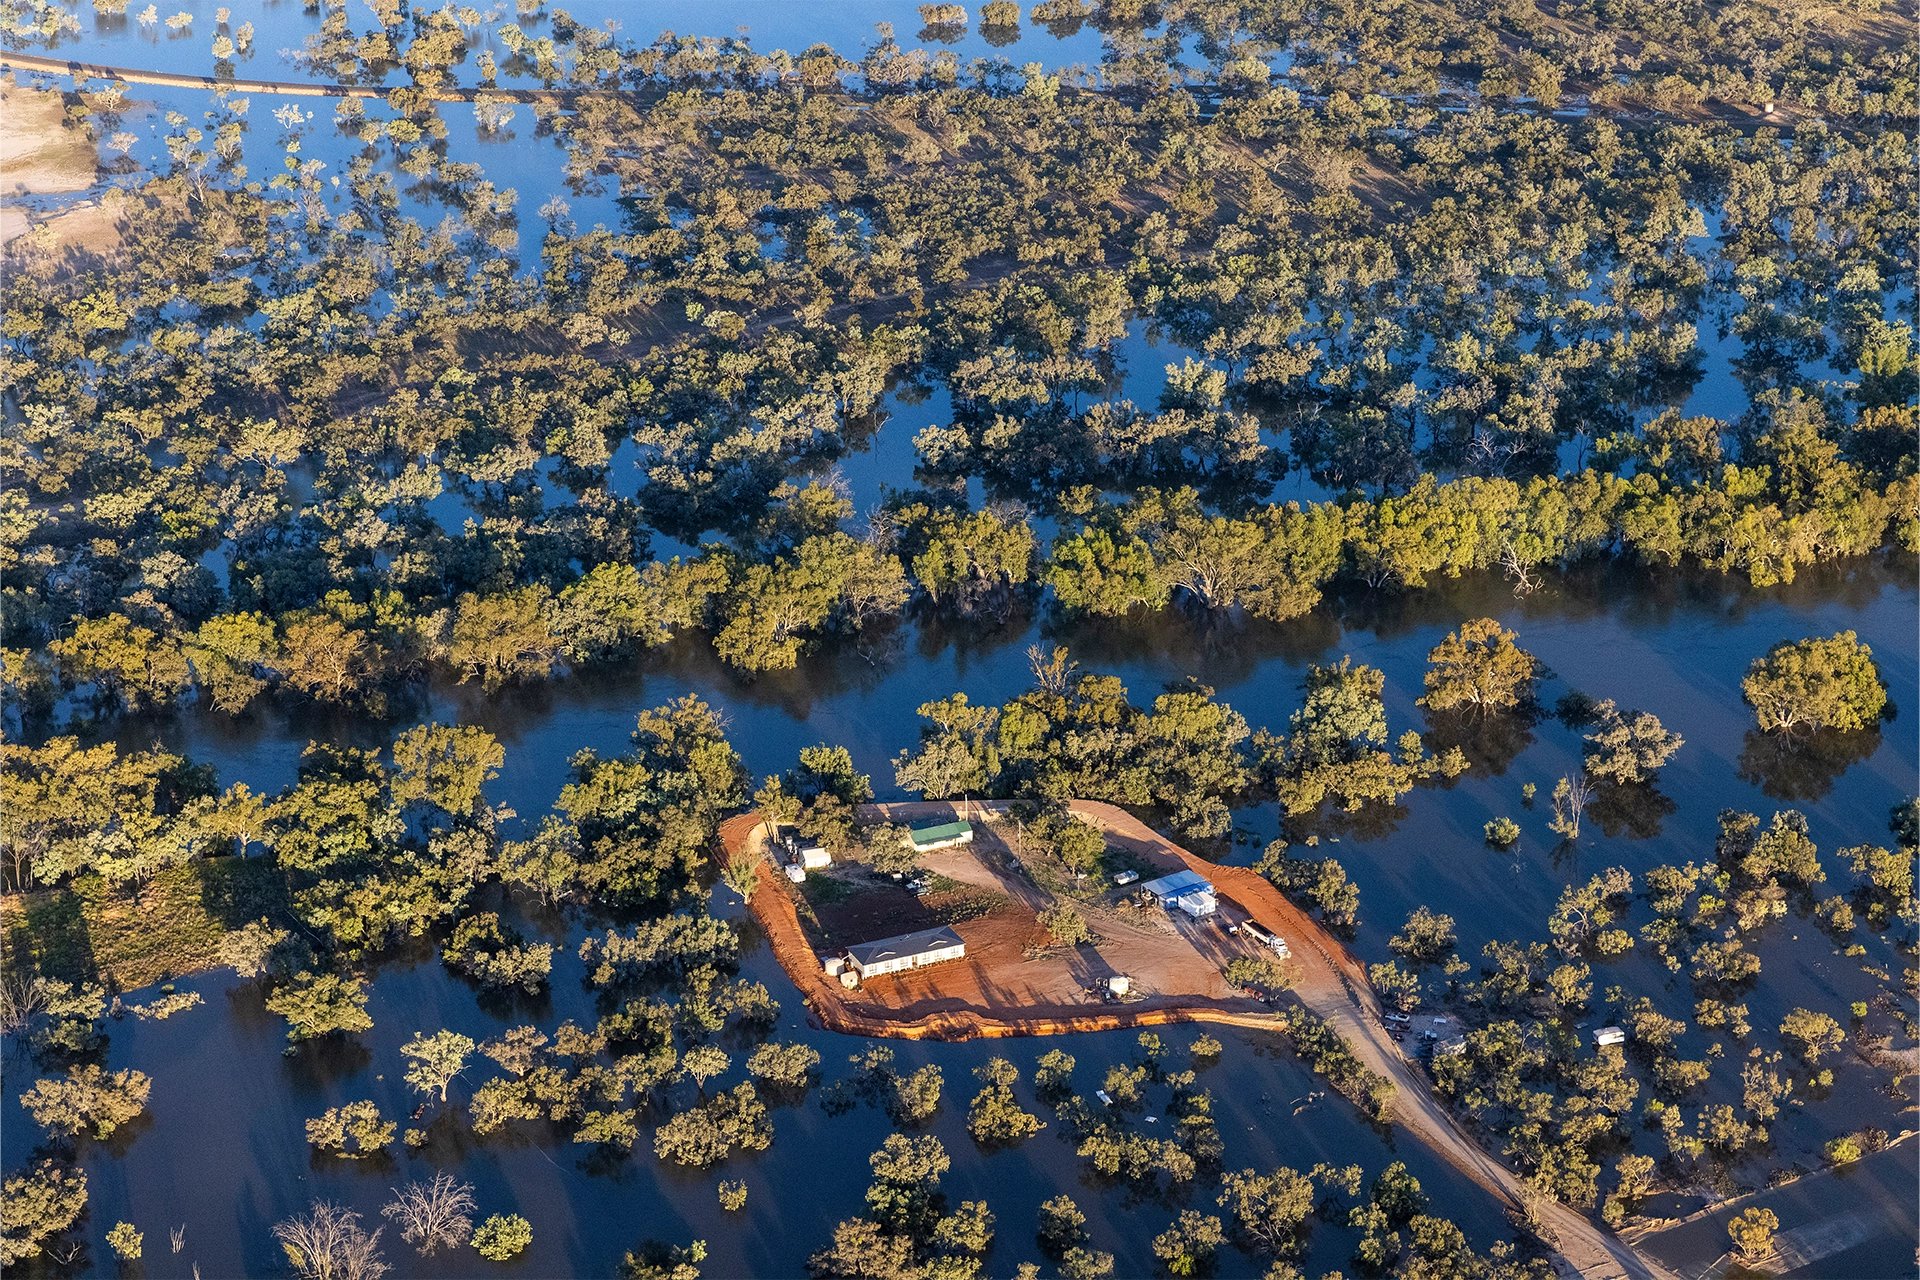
{"points": [[1267, 938], [1126, 877], [1102, 1095]]}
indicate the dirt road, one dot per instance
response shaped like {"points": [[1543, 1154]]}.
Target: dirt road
{"points": [[1334, 985], [14, 60]]}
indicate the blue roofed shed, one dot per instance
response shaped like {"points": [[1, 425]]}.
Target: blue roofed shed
{"points": [[1180, 882]]}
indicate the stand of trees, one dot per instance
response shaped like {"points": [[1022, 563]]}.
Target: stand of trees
{"points": [[1417, 307]]}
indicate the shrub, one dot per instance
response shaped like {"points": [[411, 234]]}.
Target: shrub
{"points": [[1814, 1033], [355, 1130], [502, 1236], [995, 1115], [1752, 1232], [125, 1241], [1843, 1150], [1502, 832], [790, 1065], [1257, 971], [1064, 923]]}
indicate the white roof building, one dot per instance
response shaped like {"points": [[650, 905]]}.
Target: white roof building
{"points": [[1188, 890], [908, 951]]}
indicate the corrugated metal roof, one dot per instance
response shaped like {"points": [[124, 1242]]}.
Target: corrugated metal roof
{"points": [[907, 944], [938, 831], [1176, 884]]}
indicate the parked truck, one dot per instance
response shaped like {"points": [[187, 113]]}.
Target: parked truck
{"points": [[1267, 938]]}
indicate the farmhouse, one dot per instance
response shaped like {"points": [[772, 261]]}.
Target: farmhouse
{"points": [[941, 835], [908, 951], [1187, 890]]}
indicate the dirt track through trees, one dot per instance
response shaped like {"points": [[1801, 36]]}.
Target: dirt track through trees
{"points": [[1331, 983]]}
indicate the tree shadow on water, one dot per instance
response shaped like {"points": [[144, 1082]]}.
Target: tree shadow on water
{"points": [[1489, 742], [1802, 767], [1635, 808]]}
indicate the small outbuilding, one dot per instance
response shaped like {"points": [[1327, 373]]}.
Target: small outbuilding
{"points": [[1609, 1035], [1452, 1047], [808, 855], [940, 835], [908, 951], [1187, 890]]}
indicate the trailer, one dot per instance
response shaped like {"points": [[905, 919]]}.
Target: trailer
{"points": [[1267, 938]]}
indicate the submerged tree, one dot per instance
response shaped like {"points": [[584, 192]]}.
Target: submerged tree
{"points": [[1816, 684], [1481, 667], [328, 1243], [432, 1214], [36, 1205]]}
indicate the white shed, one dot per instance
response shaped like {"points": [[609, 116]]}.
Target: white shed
{"points": [[908, 951]]}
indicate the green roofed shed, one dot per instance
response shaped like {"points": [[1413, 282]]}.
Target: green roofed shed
{"points": [[940, 835]]}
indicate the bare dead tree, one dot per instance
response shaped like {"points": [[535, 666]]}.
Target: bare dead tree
{"points": [[431, 1214], [1518, 571], [1051, 672], [328, 1243], [21, 996], [1571, 795]]}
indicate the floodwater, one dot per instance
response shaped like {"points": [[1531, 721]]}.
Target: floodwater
{"points": [[1672, 644], [222, 1150]]}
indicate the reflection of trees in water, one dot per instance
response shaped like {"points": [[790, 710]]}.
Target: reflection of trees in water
{"points": [[1802, 767], [1632, 595], [1636, 808], [1219, 649], [1490, 741], [1373, 820], [325, 1062]]}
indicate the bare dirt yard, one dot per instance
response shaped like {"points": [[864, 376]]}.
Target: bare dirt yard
{"points": [[1011, 970]]}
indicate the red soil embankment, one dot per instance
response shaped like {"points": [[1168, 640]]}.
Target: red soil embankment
{"points": [[933, 1005]]}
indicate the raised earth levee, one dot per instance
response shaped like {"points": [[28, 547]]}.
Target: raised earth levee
{"points": [[1329, 981]]}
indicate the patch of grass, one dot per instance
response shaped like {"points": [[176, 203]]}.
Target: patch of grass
{"points": [[963, 902], [171, 927], [1054, 876], [822, 890]]}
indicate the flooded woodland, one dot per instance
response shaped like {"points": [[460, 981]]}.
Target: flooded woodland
{"points": [[492, 401]]}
